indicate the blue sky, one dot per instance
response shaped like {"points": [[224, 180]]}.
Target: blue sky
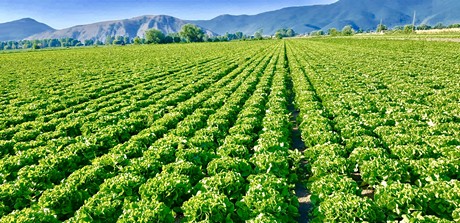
{"points": [[63, 14]]}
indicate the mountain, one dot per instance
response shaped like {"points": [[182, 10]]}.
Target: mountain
{"points": [[364, 14], [128, 27], [20, 29]]}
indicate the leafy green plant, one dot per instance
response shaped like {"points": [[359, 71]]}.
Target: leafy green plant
{"points": [[146, 211], [209, 207], [264, 218], [169, 188], [271, 162], [224, 164], [268, 194], [431, 170], [378, 170], [456, 214], [195, 155], [325, 165], [397, 199], [346, 207], [231, 184], [185, 168], [443, 198], [411, 151], [321, 188], [328, 149], [361, 154], [233, 150], [420, 218], [30, 215]]}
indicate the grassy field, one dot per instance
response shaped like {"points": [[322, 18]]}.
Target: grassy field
{"points": [[440, 35], [223, 132]]}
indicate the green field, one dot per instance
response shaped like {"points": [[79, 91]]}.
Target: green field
{"points": [[210, 131]]}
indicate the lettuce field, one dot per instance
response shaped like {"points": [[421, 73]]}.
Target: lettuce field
{"points": [[222, 132]]}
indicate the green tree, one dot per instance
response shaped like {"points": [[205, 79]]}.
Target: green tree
{"points": [[137, 40], [108, 40], [35, 46], [284, 33], [258, 35], [54, 43], [348, 31], [439, 26], [192, 33], [239, 35], [74, 42], [126, 40], [423, 27], [154, 36], [381, 28], [279, 35], [117, 42], [175, 37], [168, 39], [317, 33], [290, 33], [333, 32], [63, 42], [89, 42], [408, 29], [44, 43]]}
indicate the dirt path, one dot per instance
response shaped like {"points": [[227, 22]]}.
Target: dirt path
{"points": [[301, 191]]}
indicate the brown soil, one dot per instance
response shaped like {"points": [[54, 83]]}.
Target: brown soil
{"points": [[301, 191], [368, 193], [305, 205]]}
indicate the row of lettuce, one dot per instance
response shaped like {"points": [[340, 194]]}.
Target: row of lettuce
{"points": [[205, 140], [208, 138], [381, 129], [30, 172]]}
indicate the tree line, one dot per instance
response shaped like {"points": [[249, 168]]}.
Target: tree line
{"points": [[192, 33], [349, 30], [188, 33]]}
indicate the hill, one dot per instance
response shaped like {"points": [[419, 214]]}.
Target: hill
{"points": [[20, 29], [128, 27], [362, 14]]}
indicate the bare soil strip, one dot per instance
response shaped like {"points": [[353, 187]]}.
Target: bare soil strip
{"points": [[301, 191]]}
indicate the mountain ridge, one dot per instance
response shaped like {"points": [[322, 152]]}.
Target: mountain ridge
{"points": [[22, 28], [363, 14], [132, 27]]}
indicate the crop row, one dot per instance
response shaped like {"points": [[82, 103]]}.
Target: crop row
{"points": [[179, 156], [202, 132], [85, 86], [117, 163], [94, 114], [80, 127], [384, 153], [55, 167]]}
